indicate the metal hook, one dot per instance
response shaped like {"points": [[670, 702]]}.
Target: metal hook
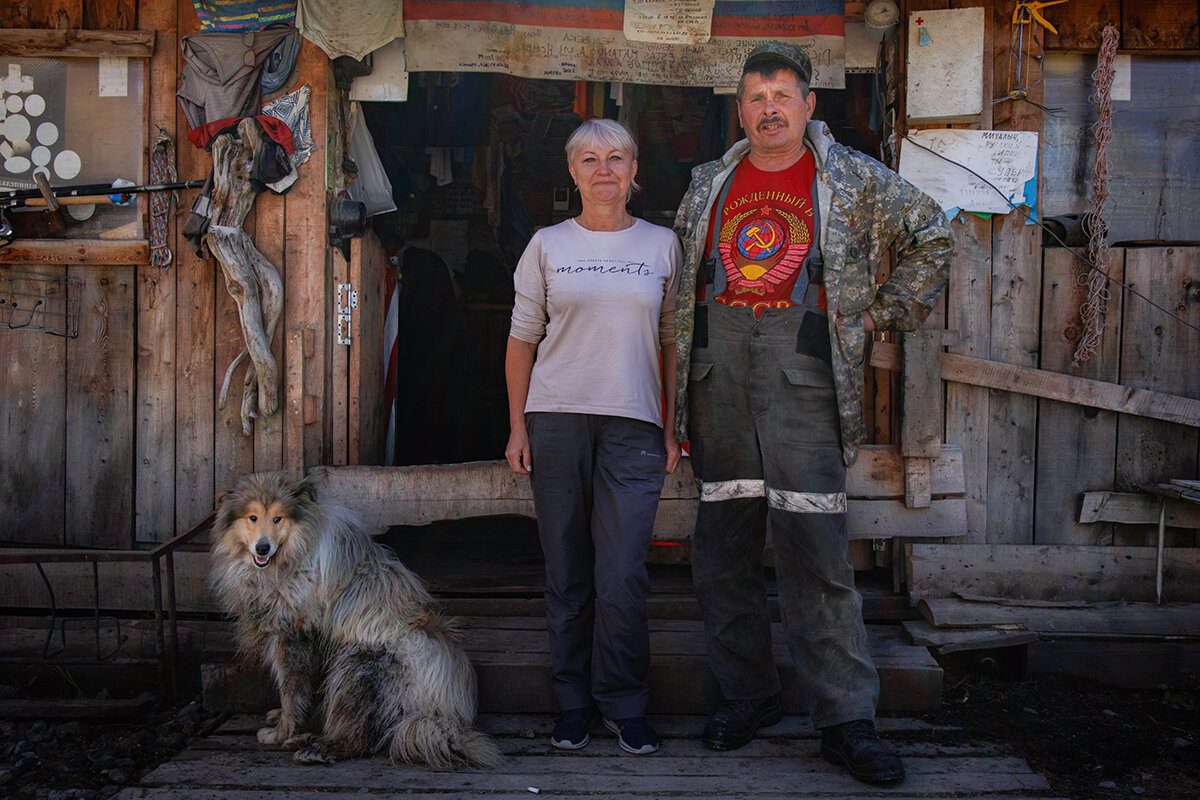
{"points": [[32, 313]]}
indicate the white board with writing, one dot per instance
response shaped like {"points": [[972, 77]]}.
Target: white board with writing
{"points": [[982, 171], [670, 21]]}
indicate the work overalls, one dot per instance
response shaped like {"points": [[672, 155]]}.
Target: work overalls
{"points": [[765, 446]]}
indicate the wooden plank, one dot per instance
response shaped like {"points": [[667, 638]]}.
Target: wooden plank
{"points": [[293, 407], [387, 496], [882, 519], [339, 370], [590, 772], [154, 410], [368, 268], [195, 332], [1016, 303], [53, 708], [123, 586], [77, 252], [99, 412], [968, 313], [917, 491], [1117, 619], [1054, 386], [45, 43], [1076, 446], [955, 640], [118, 15], [1080, 24], [1158, 354], [32, 414], [307, 255], [922, 421], [1165, 25], [1060, 572], [1123, 398], [1136, 509]]}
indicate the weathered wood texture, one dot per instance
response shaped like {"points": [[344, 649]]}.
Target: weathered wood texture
{"points": [[512, 659], [1166, 25], [1059, 573], [119, 430], [782, 762], [387, 496]]}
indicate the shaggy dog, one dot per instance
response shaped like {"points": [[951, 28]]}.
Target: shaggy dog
{"points": [[348, 632]]}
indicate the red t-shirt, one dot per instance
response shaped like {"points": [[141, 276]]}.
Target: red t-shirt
{"points": [[766, 233]]}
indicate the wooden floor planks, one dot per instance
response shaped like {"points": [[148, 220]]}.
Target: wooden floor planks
{"points": [[783, 762]]}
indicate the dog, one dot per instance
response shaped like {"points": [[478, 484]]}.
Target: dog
{"points": [[350, 634]]}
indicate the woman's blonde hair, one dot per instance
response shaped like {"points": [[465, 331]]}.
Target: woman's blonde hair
{"points": [[607, 132]]}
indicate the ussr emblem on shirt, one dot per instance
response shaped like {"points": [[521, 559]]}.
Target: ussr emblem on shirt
{"points": [[762, 250]]}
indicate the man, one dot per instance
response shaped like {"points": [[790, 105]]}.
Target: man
{"points": [[781, 237]]}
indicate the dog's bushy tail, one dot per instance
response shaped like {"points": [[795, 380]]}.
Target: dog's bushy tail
{"points": [[442, 743]]}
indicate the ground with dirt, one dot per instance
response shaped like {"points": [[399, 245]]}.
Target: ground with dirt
{"points": [[1090, 741]]}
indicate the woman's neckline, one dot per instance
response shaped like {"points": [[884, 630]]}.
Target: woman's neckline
{"points": [[626, 224]]}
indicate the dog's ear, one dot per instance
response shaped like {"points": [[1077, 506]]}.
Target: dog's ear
{"points": [[306, 491]]}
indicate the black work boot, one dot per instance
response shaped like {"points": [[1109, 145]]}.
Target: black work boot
{"points": [[856, 746], [734, 723]]}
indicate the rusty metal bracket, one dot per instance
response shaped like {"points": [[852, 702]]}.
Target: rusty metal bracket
{"points": [[162, 564]]}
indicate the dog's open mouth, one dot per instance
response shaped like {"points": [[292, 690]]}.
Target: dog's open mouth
{"points": [[260, 561]]}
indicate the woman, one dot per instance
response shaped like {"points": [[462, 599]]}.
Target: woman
{"points": [[595, 303]]}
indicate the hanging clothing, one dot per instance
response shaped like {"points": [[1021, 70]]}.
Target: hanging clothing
{"points": [[223, 76], [349, 27], [243, 15]]}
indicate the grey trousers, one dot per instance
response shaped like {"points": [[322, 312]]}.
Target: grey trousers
{"points": [[596, 483], [765, 446]]}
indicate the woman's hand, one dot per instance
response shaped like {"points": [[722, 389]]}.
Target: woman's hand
{"points": [[517, 452]]}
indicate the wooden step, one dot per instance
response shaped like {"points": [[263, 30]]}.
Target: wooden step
{"points": [[513, 665], [783, 761]]}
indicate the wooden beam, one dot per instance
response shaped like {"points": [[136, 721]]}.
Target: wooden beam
{"points": [[1105, 619], [77, 252], [43, 43], [1051, 573], [921, 428], [1136, 509], [1054, 386]]}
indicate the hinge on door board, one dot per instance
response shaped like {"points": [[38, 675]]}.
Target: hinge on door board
{"points": [[347, 301]]}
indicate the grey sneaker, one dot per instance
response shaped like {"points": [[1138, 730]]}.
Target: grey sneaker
{"points": [[571, 730], [634, 734]]}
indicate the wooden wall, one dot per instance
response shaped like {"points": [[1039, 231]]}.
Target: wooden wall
{"points": [[1028, 460], [119, 439], [119, 430]]}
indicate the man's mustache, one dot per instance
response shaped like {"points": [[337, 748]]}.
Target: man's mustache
{"points": [[772, 120]]}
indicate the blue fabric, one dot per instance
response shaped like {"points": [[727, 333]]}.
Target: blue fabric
{"points": [[243, 15]]}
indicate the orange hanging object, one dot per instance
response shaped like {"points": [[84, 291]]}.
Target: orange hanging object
{"points": [[1034, 10]]}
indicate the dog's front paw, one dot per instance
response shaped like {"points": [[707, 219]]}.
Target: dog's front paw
{"points": [[297, 741], [315, 753], [275, 734]]}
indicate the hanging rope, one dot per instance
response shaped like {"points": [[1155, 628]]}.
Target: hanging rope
{"points": [[162, 170], [1092, 312]]}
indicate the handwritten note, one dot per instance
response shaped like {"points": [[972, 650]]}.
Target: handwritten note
{"points": [[982, 171], [670, 21], [599, 55]]}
